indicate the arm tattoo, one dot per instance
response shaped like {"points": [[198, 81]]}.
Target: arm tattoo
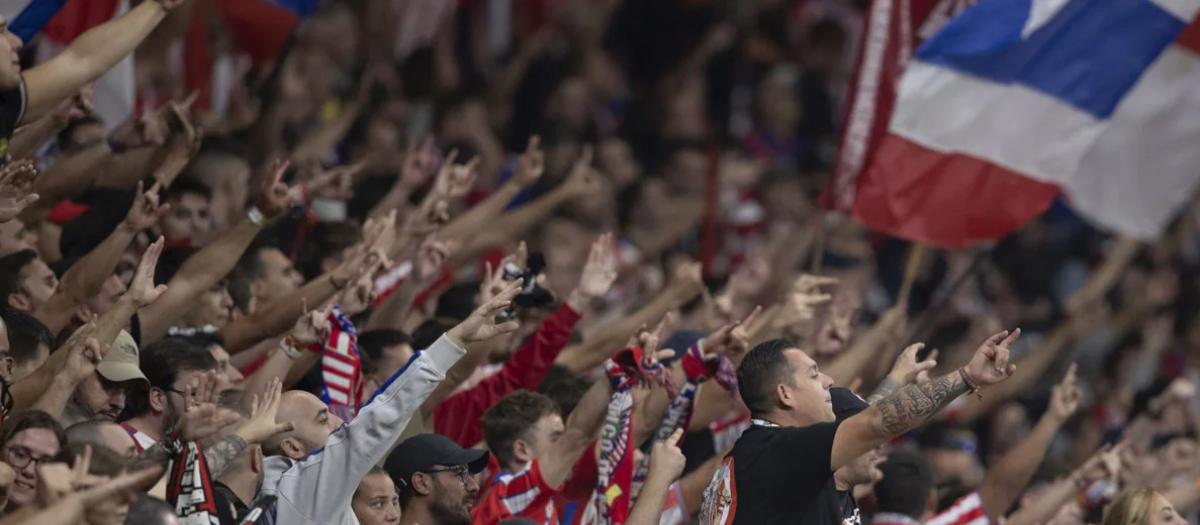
{"points": [[914, 404], [155, 455], [221, 455], [885, 388]]}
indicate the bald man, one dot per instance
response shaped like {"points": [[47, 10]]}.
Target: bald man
{"points": [[311, 473], [103, 434]]}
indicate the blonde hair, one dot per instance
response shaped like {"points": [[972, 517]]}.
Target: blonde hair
{"points": [[1132, 506]]}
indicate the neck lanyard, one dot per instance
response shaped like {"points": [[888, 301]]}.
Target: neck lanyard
{"points": [[762, 423]]}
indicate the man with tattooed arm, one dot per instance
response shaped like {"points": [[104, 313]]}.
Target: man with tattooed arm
{"points": [[779, 468]]}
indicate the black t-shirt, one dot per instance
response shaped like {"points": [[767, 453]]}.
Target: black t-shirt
{"points": [[12, 110], [776, 476]]}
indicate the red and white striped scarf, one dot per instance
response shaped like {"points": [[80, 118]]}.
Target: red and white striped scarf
{"points": [[341, 370], [620, 477]]}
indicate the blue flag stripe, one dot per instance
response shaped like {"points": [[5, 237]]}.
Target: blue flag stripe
{"points": [[301, 8], [34, 17], [1089, 54]]}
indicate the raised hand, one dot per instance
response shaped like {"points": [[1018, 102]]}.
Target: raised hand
{"points": [[597, 276], [666, 458], [481, 324], [583, 180], [82, 359], [357, 297], [146, 210], [456, 180], [16, 188], [731, 339], [531, 164], [184, 140], [990, 363], [142, 290], [1064, 397], [807, 283], [7, 477], [273, 199], [79, 106], [335, 183], [688, 280], [419, 165], [201, 415], [431, 258], [908, 369], [262, 425], [312, 327]]}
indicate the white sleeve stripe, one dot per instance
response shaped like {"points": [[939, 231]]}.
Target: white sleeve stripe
{"points": [[954, 514], [517, 504]]}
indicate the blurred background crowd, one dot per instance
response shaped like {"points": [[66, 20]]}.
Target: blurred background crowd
{"points": [[408, 160]]}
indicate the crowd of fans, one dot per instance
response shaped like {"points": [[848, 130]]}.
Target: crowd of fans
{"points": [[553, 262]]}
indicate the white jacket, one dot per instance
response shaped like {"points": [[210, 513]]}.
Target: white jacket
{"points": [[317, 490]]}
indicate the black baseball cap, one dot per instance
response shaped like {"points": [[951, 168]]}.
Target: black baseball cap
{"points": [[421, 452], [846, 404]]}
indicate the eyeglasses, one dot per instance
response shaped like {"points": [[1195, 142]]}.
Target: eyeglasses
{"points": [[19, 457], [464, 474]]}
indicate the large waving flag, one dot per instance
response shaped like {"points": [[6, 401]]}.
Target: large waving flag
{"points": [[1015, 101]]}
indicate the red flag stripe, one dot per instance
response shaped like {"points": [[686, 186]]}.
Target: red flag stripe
{"points": [[942, 199]]}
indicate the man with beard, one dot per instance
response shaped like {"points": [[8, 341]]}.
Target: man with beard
{"points": [[101, 395], [170, 365], [436, 480]]}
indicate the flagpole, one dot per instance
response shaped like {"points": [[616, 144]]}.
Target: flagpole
{"points": [[912, 266], [818, 246]]}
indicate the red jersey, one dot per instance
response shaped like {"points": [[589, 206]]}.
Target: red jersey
{"points": [[521, 495]]}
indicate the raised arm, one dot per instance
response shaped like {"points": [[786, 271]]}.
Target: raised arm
{"points": [[89, 56], [27, 140], [684, 287], [208, 266], [530, 166], [1007, 478], [321, 486], [581, 429], [914, 404], [86, 277], [666, 464]]}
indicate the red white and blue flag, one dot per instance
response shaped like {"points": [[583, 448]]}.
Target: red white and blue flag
{"points": [[1014, 102]]}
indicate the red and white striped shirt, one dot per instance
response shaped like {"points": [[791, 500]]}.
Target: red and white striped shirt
{"points": [[521, 495], [968, 510]]}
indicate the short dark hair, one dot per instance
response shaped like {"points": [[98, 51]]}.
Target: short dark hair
{"points": [[374, 470], [65, 136], [162, 361], [17, 422], [25, 334], [251, 263], [185, 185], [764, 367], [373, 342], [149, 510], [567, 389], [11, 266], [511, 418], [171, 260], [907, 480], [429, 332], [457, 302]]}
